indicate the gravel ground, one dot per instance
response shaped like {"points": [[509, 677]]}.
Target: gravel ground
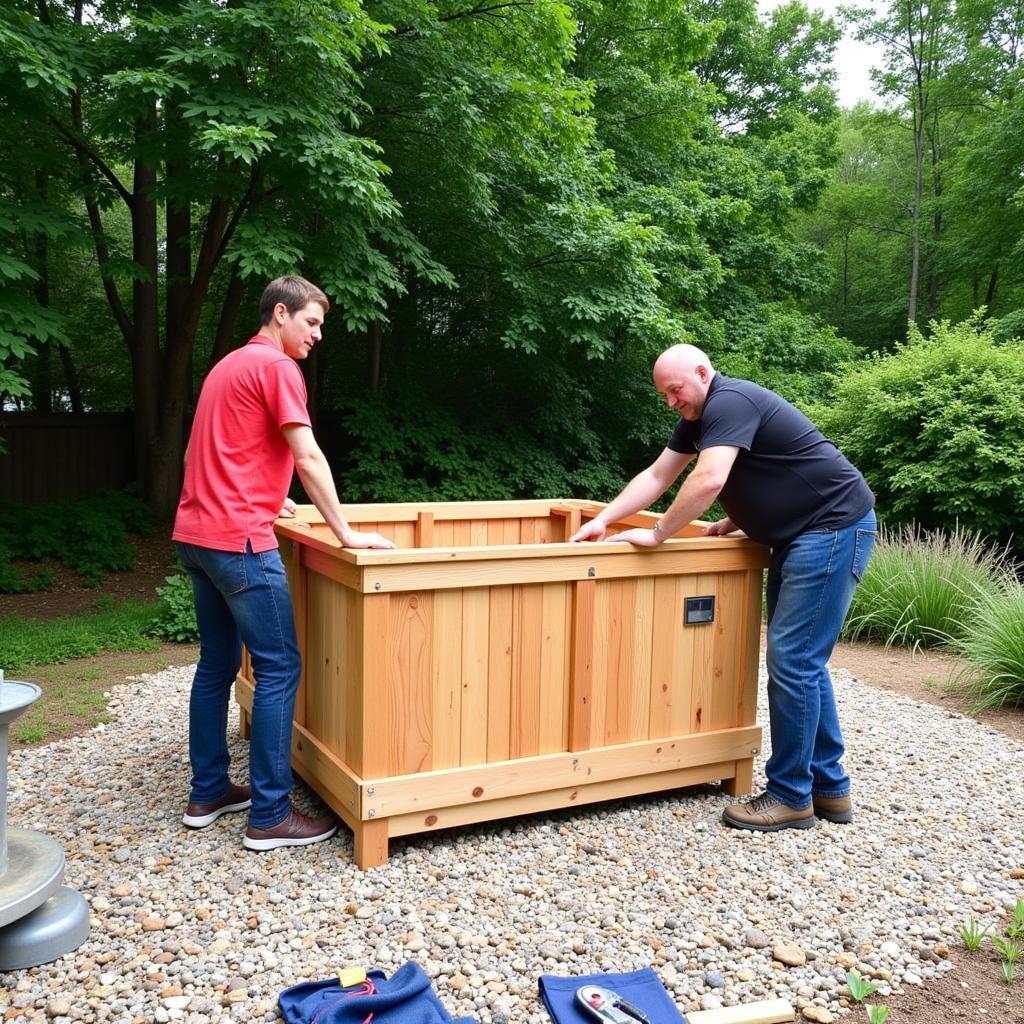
{"points": [[188, 926]]}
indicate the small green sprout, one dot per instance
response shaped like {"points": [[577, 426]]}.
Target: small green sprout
{"points": [[1015, 928], [972, 934], [877, 1014], [860, 988], [1008, 971], [1008, 950]]}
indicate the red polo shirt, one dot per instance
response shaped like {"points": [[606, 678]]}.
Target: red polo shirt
{"points": [[239, 464]]}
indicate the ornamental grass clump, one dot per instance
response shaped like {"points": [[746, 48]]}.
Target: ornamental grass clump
{"points": [[993, 648], [921, 587]]}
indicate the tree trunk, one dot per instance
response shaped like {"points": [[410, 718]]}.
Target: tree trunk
{"points": [[990, 292], [228, 316], [375, 336], [42, 383], [71, 381]]}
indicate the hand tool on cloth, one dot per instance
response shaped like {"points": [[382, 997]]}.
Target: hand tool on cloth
{"points": [[607, 1007], [641, 990]]}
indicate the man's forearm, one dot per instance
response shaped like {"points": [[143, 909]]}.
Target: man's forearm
{"points": [[315, 474], [696, 495], [643, 490]]}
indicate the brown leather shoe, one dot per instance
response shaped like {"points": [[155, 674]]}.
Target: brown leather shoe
{"points": [[765, 814], [295, 830], [834, 808], [236, 798]]}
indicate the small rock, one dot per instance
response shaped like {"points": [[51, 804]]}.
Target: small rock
{"points": [[58, 1008], [710, 1002], [755, 938], [153, 924], [817, 1013], [789, 954]]}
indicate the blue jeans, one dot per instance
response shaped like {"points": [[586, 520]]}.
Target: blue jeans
{"points": [[811, 582], [242, 598]]}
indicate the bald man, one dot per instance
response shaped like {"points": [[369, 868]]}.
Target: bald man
{"points": [[784, 484]]}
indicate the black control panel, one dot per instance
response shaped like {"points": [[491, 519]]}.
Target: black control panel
{"points": [[699, 610]]}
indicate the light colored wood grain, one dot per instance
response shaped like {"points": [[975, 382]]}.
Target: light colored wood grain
{"points": [[769, 1011], [524, 718], [370, 842], [446, 647], [554, 676], [453, 786], [424, 536], [408, 700], [499, 673], [550, 800], [476, 613], [581, 664]]}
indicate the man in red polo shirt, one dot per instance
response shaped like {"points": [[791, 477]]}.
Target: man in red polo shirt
{"points": [[251, 430]]}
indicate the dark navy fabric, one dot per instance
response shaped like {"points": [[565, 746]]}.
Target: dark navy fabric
{"points": [[406, 998], [642, 988], [788, 477]]}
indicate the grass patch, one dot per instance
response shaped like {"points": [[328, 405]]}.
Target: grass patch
{"points": [[994, 649], [921, 588], [75, 693], [109, 627]]}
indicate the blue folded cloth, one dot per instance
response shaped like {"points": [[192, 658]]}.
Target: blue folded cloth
{"points": [[642, 988], [405, 998]]}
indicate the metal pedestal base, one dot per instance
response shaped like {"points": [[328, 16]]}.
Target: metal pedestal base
{"points": [[60, 925], [35, 869]]}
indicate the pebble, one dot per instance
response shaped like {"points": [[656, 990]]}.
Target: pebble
{"points": [[189, 928]]}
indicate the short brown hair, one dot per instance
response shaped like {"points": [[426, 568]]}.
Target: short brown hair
{"points": [[295, 292]]}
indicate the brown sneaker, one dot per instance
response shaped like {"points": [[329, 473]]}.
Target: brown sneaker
{"points": [[237, 798], [834, 808], [765, 814], [296, 830]]}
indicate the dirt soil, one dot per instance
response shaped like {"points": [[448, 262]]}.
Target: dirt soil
{"points": [[972, 991]]}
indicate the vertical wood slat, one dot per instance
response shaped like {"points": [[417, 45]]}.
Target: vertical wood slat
{"points": [[553, 678], [726, 659], [643, 640], [571, 519], [581, 664], [527, 616], [666, 657], [424, 537], [408, 700], [298, 585], [476, 610], [367, 737], [619, 661], [499, 673], [446, 679], [750, 633], [703, 648]]}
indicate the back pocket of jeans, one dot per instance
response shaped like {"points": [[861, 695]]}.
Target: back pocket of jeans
{"points": [[862, 552]]}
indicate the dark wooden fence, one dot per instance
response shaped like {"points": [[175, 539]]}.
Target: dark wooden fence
{"points": [[64, 455]]}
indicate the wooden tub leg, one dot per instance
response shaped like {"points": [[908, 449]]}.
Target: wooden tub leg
{"points": [[244, 724], [742, 782], [371, 843]]}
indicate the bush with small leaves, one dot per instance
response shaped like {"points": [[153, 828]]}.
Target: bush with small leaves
{"points": [[175, 618]]}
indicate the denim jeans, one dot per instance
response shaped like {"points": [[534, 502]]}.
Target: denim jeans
{"points": [[242, 598], [811, 582]]}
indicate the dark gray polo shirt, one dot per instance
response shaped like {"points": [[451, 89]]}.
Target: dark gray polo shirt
{"points": [[788, 477]]}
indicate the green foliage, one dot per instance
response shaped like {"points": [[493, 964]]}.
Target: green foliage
{"points": [[175, 618], [921, 588], [993, 646], [937, 428], [1007, 949], [877, 1014], [111, 627], [972, 934], [1009, 970], [1015, 929], [89, 534], [860, 988]]}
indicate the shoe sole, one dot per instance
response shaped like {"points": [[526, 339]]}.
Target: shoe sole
{"points": [[276, 844], [201, 821], [751, 827], [839, 817]]}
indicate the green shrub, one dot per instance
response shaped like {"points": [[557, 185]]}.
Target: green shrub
{"points": [[175, 618], [994, 647], [90, 535], [110, 627], [921, 588], [937, 428]]}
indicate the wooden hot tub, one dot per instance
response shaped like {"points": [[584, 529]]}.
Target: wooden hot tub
{"points": [[487, 668]]}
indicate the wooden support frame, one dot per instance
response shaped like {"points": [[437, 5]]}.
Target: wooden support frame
{"points": [[487, 667], [768, 1011]]}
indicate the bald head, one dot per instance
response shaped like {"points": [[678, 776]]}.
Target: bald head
{"points": [[683, 374]]}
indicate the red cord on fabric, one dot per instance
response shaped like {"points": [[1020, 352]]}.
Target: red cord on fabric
{"points": [[367, 988]]}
